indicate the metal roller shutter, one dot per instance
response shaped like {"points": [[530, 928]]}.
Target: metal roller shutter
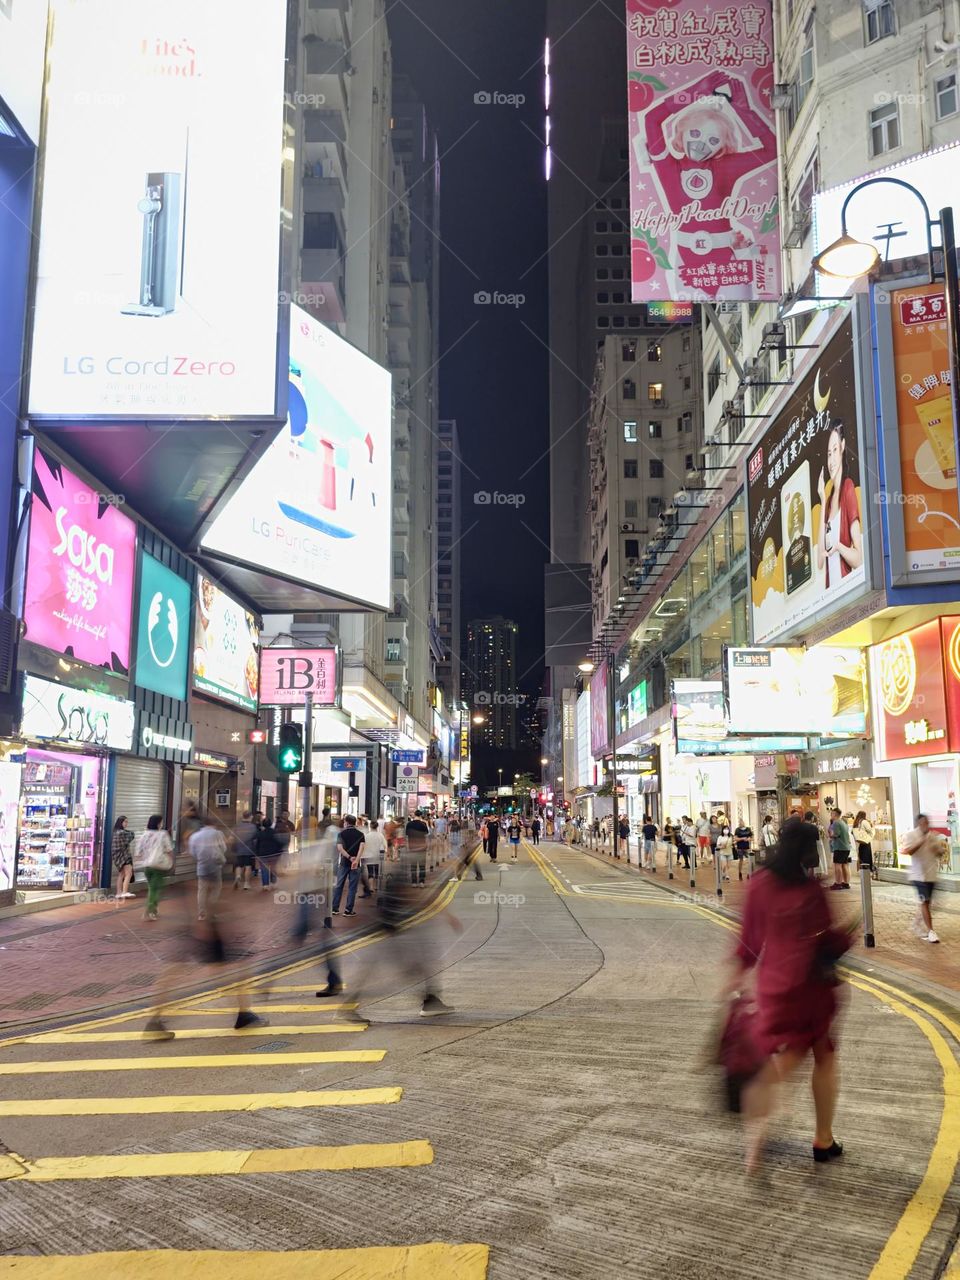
{"points": [[140, 790]]}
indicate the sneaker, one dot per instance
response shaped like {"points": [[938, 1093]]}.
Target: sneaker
{"points": [[348, 913], [156, 1029], [835, 886], [247, 1018], [246, 886], [331, 989], [236, 884], [335, 911], [128, 895], [931, 937], [433, 1006]]}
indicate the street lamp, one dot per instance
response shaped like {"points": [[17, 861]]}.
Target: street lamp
{"points": [[848, 259], [478, 719], [586, 666]]}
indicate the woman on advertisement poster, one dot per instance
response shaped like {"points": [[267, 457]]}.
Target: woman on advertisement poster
{"points": [[840, 542]]}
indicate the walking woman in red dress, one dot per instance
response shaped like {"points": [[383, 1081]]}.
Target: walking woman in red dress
{"points": [[789, 938]]}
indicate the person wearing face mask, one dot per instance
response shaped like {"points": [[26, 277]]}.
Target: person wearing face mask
{"points": [[789, 940]]}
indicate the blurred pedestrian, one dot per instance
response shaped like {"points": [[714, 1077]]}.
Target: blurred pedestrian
{"points": [[742, 844], [923, 846], [268, 850], [724, 850], [768, 835], [623, 837], [703, 835], [417, 836], [244, 851], [153, 854], [688, 839], [122, 854], [788, 937], [372, 856], [209, 850]]}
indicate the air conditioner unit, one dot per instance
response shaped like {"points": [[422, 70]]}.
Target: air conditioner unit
{"points": [[782, 97], [628, 527]]}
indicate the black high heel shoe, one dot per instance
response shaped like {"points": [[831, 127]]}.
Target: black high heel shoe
{"points": [[823, 1154]]}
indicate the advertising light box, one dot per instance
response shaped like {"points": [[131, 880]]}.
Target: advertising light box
{"points": [[599, 713], [159, 245], [700, 724], [703, 152], [316, 508], [822, 690], [288, 675], [80, 564], [54, 711], [163, 630], [911, 699], [805, 498], [225, 659], [23, 38]]}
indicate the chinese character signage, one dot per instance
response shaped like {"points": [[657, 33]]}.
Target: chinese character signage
{"points": [[822, 690], [80, 563], [703, 151], [599, 723], [288, 675], [921, 508], [804, 499], [910, 692]]}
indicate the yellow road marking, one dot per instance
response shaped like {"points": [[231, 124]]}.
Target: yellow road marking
{"points": [[177, 1064], [199, 1102], [319, 1007], [268, 990], [191, 1033], [192, 1164], [414, 1262]]}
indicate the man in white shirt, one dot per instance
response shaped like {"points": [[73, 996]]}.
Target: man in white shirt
{"points": [[923, 847], [374, 848]]}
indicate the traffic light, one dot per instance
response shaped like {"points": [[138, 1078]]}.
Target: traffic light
{"points": [[290, 754]]}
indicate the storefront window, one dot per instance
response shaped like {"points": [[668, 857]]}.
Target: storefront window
{"points": [[720, 546], [740, 634], [738, 524], [699, 572], [718, 633], [59, 808]]}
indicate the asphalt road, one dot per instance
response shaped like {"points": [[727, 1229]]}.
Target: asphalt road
{"points": [[557, 1124]]}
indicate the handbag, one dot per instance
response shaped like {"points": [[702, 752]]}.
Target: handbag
{"points": [[150, 853], [738, 1053]]}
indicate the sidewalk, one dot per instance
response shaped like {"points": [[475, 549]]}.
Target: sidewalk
{"points": [[87, 957], [894, 909]]}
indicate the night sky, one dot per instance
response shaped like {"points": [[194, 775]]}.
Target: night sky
{"points": [[493, 358]]}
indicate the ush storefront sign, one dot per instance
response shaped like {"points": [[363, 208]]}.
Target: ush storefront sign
{"points": [[80, 560], [53, 711]]}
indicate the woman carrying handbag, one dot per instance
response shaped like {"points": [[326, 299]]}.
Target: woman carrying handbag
{"points": [[863, 833], [153, 855]]}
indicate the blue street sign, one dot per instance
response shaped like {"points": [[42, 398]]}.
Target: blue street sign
{"points": [[407, 757], [348, 764]]}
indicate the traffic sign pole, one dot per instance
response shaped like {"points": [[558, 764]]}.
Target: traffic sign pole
{"points": [[307, 749]]}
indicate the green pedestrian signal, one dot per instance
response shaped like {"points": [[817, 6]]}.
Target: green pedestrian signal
{"points": [[290, 751]]}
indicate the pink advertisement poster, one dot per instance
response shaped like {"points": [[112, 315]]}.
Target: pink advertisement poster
{"points": [[80, 566], [288, 675], [703, 151], [599, 723]]}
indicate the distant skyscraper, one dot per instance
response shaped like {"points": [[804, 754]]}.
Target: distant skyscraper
{"points": [[491, 670], [448, 558]]}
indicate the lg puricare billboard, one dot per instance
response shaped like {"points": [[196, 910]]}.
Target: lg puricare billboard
{"points": [[159, 246], [703, 151], [316, 508], [80, 570], [805, 498]]}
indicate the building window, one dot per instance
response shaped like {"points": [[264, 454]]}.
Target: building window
{"points": [[656, 469], [654, 352], [628, 352], [617, 250], [617, 273], [881, 20], [654, 429], [630, 432], [630, 508], [603, 273], [629, 389], [601, 227], [630, 471], [714, 378], [631, 548], [603, 322], [619, 298], [946, 91], [686, 384], [654, 506], [602, 250], [686, 342], [603, 297], [320, 231], [688, 462], [688, 422], [655, 392], [393, 650], [633, 322], [801, 86], [618, 322], [884, 128]]}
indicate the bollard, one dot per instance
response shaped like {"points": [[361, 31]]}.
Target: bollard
{"points": [[669, 859], [866, 891], [694, 848], [327, 894], [751, 864]]}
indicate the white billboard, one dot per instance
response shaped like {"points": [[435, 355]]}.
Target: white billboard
{"points": [[23, 36], [158, 267], [316, 508]]}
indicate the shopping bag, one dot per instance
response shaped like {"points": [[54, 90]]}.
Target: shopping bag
{"points": [[738, 1053]]}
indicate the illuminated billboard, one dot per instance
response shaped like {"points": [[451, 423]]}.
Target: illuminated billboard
{"points": [[225, 660], [316, 508], [822, 690], [159, 246]]}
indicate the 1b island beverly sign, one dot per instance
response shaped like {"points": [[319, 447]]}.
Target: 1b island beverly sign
{"points": [[288, 675], [703, 152]]}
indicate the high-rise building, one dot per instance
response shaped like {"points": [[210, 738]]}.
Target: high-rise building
{"points": [[448, 558], [491, 671]]}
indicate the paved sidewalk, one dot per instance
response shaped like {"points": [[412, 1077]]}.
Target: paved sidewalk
{"points": [[86, 957], [894, 910]]}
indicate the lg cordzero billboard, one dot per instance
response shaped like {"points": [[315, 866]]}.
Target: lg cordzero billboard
{"points": [[159, 246], [316, 508]]}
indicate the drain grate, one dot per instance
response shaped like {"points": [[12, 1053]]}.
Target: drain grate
{"points": [[92, 989], [37, 1001], [273, 1046], [141, 979]]}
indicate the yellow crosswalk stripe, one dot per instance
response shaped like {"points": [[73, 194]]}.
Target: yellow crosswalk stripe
{"points": [[179, 1063], [160, 1105], [192, 1164], [192, 1033], [268, 989], [432, 1261], [318, 1007]]}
